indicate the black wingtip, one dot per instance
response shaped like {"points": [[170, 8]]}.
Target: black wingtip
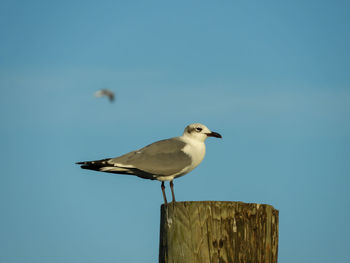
{"points": [[87, 167]]}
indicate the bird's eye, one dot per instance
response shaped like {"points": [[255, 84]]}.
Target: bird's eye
{"points": [[199, 129]]}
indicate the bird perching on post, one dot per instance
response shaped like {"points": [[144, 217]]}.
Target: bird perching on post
{"points": [[163, 160]]}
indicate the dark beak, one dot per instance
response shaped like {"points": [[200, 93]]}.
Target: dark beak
{"points": [[214, 134]]}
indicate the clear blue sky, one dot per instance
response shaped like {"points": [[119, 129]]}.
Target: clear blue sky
{"points": [[272, 77]]}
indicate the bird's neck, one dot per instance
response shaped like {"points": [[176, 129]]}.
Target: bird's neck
{"points": [[193, 141]]}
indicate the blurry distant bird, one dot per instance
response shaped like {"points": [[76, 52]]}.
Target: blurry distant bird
{"points": [[105, 92]]}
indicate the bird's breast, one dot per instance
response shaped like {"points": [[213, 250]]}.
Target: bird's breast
{"points": [[196, 150]]}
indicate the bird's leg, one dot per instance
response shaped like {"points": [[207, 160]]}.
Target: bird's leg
{"points": [[164, 196], [172, 190]]}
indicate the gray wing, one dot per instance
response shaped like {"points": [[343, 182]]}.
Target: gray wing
{"points": [[161, 158]]}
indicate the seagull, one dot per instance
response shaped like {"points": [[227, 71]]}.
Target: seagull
{"points": [[163, 160], [105, 92]]}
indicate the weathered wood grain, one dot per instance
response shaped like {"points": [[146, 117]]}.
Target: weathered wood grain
{"points": [[218, 232]]}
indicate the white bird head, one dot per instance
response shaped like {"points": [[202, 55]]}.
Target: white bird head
{"points": [[199, 132]]}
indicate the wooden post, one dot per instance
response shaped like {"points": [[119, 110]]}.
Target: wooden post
{"points": [[218, 232]]}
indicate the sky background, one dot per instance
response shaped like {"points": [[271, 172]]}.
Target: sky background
{"points": [[272, 77]]}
